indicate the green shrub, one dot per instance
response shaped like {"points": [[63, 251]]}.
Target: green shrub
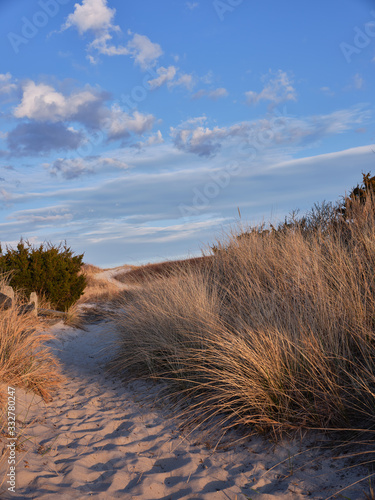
{"points": [[51, 271]]}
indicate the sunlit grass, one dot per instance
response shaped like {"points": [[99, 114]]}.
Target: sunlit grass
{"points": [[25, 361], [275, 332]]}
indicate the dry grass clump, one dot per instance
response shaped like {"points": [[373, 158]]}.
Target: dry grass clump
{"points": [[278, 332], [25, 361], [163, 322]]}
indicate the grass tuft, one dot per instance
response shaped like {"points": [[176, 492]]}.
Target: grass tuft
{"points": [[25, 361]]}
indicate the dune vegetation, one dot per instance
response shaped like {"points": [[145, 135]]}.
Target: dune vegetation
{"points": [[275, 332], [25, 361]]}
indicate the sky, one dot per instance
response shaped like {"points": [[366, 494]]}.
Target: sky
{"points": [[144, 131]]}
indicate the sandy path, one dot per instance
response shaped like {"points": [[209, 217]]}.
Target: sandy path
{"points": [[109, 274], [97, 439]]}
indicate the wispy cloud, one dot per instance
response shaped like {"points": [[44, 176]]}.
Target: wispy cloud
{"points": [[278, 88], [6, 84], [153, 140], [192, 5], [165, 75], [358, 81], [194, 137], [327, 91], [184, 80], [211, 94]]}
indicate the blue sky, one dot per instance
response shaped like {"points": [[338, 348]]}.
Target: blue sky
{"points": [[135, 130]]}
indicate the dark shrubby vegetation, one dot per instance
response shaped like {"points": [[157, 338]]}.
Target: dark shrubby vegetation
{"points": [[54, 272]]}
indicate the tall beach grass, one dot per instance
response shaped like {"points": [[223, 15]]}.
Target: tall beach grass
{"points": [[276, 331]]}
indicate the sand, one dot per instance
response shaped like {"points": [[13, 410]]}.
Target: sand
{"points": [[101, 438]]}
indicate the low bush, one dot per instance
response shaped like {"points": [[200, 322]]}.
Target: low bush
{"points": [[52, 271]]}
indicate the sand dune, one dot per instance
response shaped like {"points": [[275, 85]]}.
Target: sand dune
{"points": [[99, 438]]}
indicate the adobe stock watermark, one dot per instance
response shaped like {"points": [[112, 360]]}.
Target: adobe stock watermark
{"points": [[223, 6], [361, 40], [31, 26], [257, 142], [12, 440]]}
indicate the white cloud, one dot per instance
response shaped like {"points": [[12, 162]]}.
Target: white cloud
{"points": [[144, 52], [42, 102], [165, 75], [173, 79], [6, 85], [101, 45], [278, 88], [96, 16], [153, 140], [185, 80], [121, 124], [200, 140], [92, 15], [211, 94]]}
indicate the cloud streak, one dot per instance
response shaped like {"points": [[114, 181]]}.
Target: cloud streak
{"points": [[72, 168], [194, 137]]}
